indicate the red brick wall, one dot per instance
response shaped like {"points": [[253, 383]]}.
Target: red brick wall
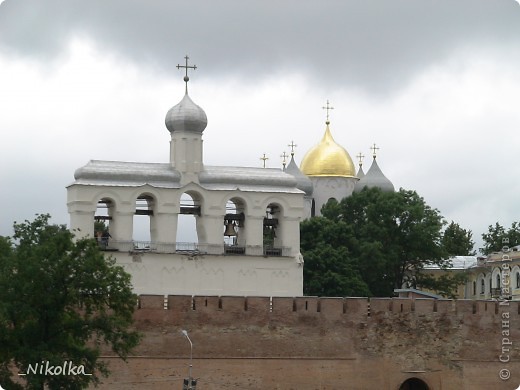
{"points": [[320, 343]]}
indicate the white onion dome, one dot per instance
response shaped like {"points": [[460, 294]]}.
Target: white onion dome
{"points": [[303, 183], [186, 116], [374, 178]]}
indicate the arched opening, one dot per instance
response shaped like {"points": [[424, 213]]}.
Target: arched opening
{"points": [[414, 384], [141, 234], [482, 286], [234, 230], [189, 234], [313, 208], [272, 237], [103, 221], [517, 279], [496, 290]]}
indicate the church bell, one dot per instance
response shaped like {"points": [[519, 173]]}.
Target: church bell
{"points": [[230, 229]]}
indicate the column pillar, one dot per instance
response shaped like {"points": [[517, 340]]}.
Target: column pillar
{"points": [[82, 223]]}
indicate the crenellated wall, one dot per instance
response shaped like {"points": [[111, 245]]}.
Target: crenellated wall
{"points": [[323, 343]]}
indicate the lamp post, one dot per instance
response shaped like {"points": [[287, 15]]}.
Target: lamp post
{"points": [[190, 379]]}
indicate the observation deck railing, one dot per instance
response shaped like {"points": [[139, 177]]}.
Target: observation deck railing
{"points": [[193, 248]]}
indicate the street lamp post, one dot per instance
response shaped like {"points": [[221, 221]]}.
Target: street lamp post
{"points": [[190, 379]]}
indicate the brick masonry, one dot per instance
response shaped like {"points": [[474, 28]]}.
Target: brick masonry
{"points": [[321, 343]]}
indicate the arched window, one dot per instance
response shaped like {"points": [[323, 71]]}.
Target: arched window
{"points": [[482, 286], [474, 288], [103, 222], [189, 236], [517, 279], [272, 230], [414, 384], [141, 235], [234, 227], [498, 280]]}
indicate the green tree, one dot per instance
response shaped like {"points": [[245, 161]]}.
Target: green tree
{"points": [[457, 241], [388, 238], [498, 237], [60, 300], [329, 269], [445, 285]]}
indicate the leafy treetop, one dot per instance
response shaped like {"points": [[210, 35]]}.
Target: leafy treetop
{"points": [[60, 300]]}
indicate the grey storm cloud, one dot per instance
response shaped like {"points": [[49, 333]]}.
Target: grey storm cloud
{"points": [[373, 45]]}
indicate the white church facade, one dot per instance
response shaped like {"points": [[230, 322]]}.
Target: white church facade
{"points": [[247, 219]]}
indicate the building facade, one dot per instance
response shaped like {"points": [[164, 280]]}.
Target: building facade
{"points": [[247, 219]]}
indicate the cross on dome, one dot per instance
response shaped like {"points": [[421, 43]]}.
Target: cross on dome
{"points": [[374, 149], [264, 159], [328, 107], [186, 67], [292, 145], [284, 159], [360, 157]]}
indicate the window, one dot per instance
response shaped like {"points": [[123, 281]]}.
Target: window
{"points": [[482, 286], [517, 279], [498, 280]]}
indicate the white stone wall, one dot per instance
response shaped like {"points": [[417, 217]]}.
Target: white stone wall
{"points": [[331, 187], [172, 273], [177, 274]]}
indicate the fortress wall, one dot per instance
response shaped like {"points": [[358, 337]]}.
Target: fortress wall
{"points": [[253, 342], [261, 310]]}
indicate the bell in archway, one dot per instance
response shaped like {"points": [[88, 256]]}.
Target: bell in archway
{"points": [[230, 229]]}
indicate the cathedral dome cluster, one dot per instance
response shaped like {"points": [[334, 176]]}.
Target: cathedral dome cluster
{"points": [[332, 173]]}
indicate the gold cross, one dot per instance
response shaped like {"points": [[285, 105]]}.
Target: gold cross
{"points": [[374, 150], [186, 78], [292, 145], [328, 107], [284, 159], [264, 159], [360, 158]]}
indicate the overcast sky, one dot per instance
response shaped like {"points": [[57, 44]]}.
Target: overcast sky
{"points": [[434, 83]]}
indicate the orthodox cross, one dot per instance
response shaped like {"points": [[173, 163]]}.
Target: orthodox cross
{"points": [[292, 145], [284, 159], [328, 107], [186, 78], [374, 150], [360, 158], [264, 159]]}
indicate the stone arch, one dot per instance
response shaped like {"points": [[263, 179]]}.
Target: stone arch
{"points": [[515, 277], [481, 284], [489, 285], [191, 229], [144, 227], [495, 282], [235, 225], [105, 219], [273, 228], [414, 384]]}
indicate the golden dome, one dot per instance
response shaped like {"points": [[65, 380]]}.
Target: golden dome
{"points": [[328, 159]]}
